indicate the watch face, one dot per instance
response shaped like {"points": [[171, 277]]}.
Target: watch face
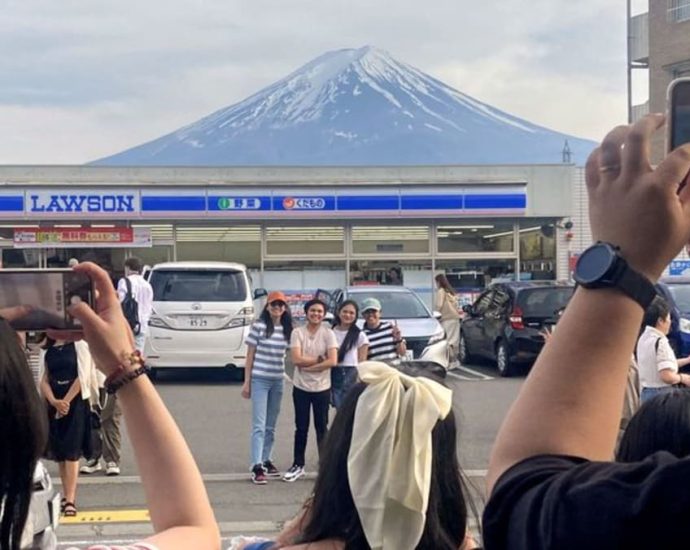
{"points": [[594, 263]]}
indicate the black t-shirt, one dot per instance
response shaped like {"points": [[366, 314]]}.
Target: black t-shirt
{"points": [[562, 502]]}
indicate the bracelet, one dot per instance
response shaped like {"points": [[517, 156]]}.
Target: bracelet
{"points": [[123, 373]]}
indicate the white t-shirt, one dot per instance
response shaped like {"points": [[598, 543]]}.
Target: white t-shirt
{"points": [[350, 359], [652, 358], [143, 294], [313, 345]]}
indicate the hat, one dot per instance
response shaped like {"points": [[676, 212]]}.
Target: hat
{"points": [[371, 303], [276, 296]]}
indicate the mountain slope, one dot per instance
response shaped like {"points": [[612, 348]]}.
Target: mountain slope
{"points": [[356, 107]]}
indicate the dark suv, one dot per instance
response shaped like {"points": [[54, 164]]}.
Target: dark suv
{"points": [[676, 291], [505, 322]]}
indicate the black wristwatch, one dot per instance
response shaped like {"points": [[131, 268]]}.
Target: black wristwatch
{"points": [[601, 266]]}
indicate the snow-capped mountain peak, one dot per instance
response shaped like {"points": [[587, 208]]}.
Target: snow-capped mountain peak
{"points": [[356, 106]]}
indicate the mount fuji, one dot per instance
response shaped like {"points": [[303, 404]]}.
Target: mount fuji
{"points": [[356, 107]]}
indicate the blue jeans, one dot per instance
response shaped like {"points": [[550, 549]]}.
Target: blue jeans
{"points": [[266, 398], [342, 379], [647, 393]]}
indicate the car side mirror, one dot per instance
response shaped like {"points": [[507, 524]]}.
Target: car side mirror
{"points": [[329, 317], [467, 308], [436, 314], [260, 293]]}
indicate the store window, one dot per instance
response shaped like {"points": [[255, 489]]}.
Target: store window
{"points": [[241, 243], [377, 239], [476, 236], [537, 251], [305, 241], [471, 277]]}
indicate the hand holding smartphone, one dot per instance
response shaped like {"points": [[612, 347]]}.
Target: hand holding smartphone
{"points": [[44, 295]]}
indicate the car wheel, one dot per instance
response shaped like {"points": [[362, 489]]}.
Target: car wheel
{"points": [[503, 363], [463, 351]]}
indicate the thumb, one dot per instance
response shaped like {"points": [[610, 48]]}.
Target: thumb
{"points": [[88, 318]]}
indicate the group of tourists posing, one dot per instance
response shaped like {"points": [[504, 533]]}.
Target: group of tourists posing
{"points": [[325, 363]]}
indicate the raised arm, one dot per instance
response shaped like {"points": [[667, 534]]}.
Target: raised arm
{"points": [[180, 510], [571, 401]]}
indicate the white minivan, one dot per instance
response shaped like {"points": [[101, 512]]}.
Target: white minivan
{"points": [[202, 312]]}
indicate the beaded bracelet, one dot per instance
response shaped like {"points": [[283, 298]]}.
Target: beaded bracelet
{"points": [[122, 376]]}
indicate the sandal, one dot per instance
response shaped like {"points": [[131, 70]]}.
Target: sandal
{"points": [[63, 501], [70, 510]]}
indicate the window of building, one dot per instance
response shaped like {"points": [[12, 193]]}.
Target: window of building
{"points": [[479, 236], [378, 239], [678, 10], [305, 241], [239, 243]]}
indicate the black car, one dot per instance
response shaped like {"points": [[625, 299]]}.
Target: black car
{"points": [[505, 322]]}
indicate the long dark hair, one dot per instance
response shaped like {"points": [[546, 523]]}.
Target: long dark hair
{"points": [[352, 335], [332, 512], [660, 424], [23, 435], [285, 321]]}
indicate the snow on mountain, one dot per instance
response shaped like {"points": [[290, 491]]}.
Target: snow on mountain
{"points": [[356, 107]]}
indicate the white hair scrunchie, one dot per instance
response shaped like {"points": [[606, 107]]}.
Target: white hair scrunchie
{"points": [[389, 463]]}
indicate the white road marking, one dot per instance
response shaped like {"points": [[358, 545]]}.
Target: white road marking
{"points": [[475, 374]]}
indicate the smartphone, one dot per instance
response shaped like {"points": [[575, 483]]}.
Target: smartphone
{"points": [[48, 293], [678, 113]]}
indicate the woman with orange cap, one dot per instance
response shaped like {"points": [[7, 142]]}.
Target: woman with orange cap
{"points": [[266, 342]]}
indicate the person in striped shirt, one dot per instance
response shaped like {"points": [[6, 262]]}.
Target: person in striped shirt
{"points": [[267, 342], [385, 341]]}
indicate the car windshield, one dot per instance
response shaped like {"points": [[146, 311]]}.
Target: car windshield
{"points": [[395, 305], [543, 302], [198, 286], [681, 296]]}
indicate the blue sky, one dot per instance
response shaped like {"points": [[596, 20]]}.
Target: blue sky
{"points": [[82, 79]]}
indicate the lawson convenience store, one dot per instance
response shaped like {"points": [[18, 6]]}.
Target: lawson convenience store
{"points": [[295, 228]]}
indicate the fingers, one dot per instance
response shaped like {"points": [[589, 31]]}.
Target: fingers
{"points": [[635, 155], [86, 316], [592, 169], [65, 335], [15, 312], [106, 295], [675, 167], [610, 153]]}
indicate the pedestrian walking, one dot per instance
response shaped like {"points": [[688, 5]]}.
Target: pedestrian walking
{"points": [[446, 303], [68, 383], [353, 346], [657, 363], [385, 340], [313, 350], [264, 370]]}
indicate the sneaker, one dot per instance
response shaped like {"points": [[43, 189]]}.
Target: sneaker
{"points": [[90, 467], [270, 470], [112, 469], [258, 475], [294, 473]]}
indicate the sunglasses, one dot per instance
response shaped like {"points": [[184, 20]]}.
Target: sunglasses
{"points": [[277, 303], [370, 312]]}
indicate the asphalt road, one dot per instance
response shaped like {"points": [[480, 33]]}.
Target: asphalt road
{"points": [[216, 423]]}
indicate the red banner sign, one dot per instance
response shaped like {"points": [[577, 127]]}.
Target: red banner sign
{"points": [[39, 237]]}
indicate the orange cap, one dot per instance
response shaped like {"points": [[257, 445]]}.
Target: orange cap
{"points": [[276, 295]]}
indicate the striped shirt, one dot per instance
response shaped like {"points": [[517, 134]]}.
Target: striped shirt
{"points": [[382, 343], [269, 358]]}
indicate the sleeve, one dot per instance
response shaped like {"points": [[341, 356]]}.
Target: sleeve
{"points": [[296, 338], [363, 339], [254, 335], [331, 340], [438, 301], [567, 503], [121, 289], [665, 357], [85, 369]]}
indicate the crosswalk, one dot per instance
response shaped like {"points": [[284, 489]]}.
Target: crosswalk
{"points": [[466, 373]]}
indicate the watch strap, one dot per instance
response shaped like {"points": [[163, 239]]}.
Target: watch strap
{"points": [[635, 285]]}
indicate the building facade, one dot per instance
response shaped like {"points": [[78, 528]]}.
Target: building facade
{"points": [[660, 41], [296, 229]]}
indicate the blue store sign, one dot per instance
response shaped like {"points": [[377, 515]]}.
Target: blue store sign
{"points": [[243, 202], [679, 267]]}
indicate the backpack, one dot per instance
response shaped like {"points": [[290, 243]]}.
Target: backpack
{"points": [[130, 307]]}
